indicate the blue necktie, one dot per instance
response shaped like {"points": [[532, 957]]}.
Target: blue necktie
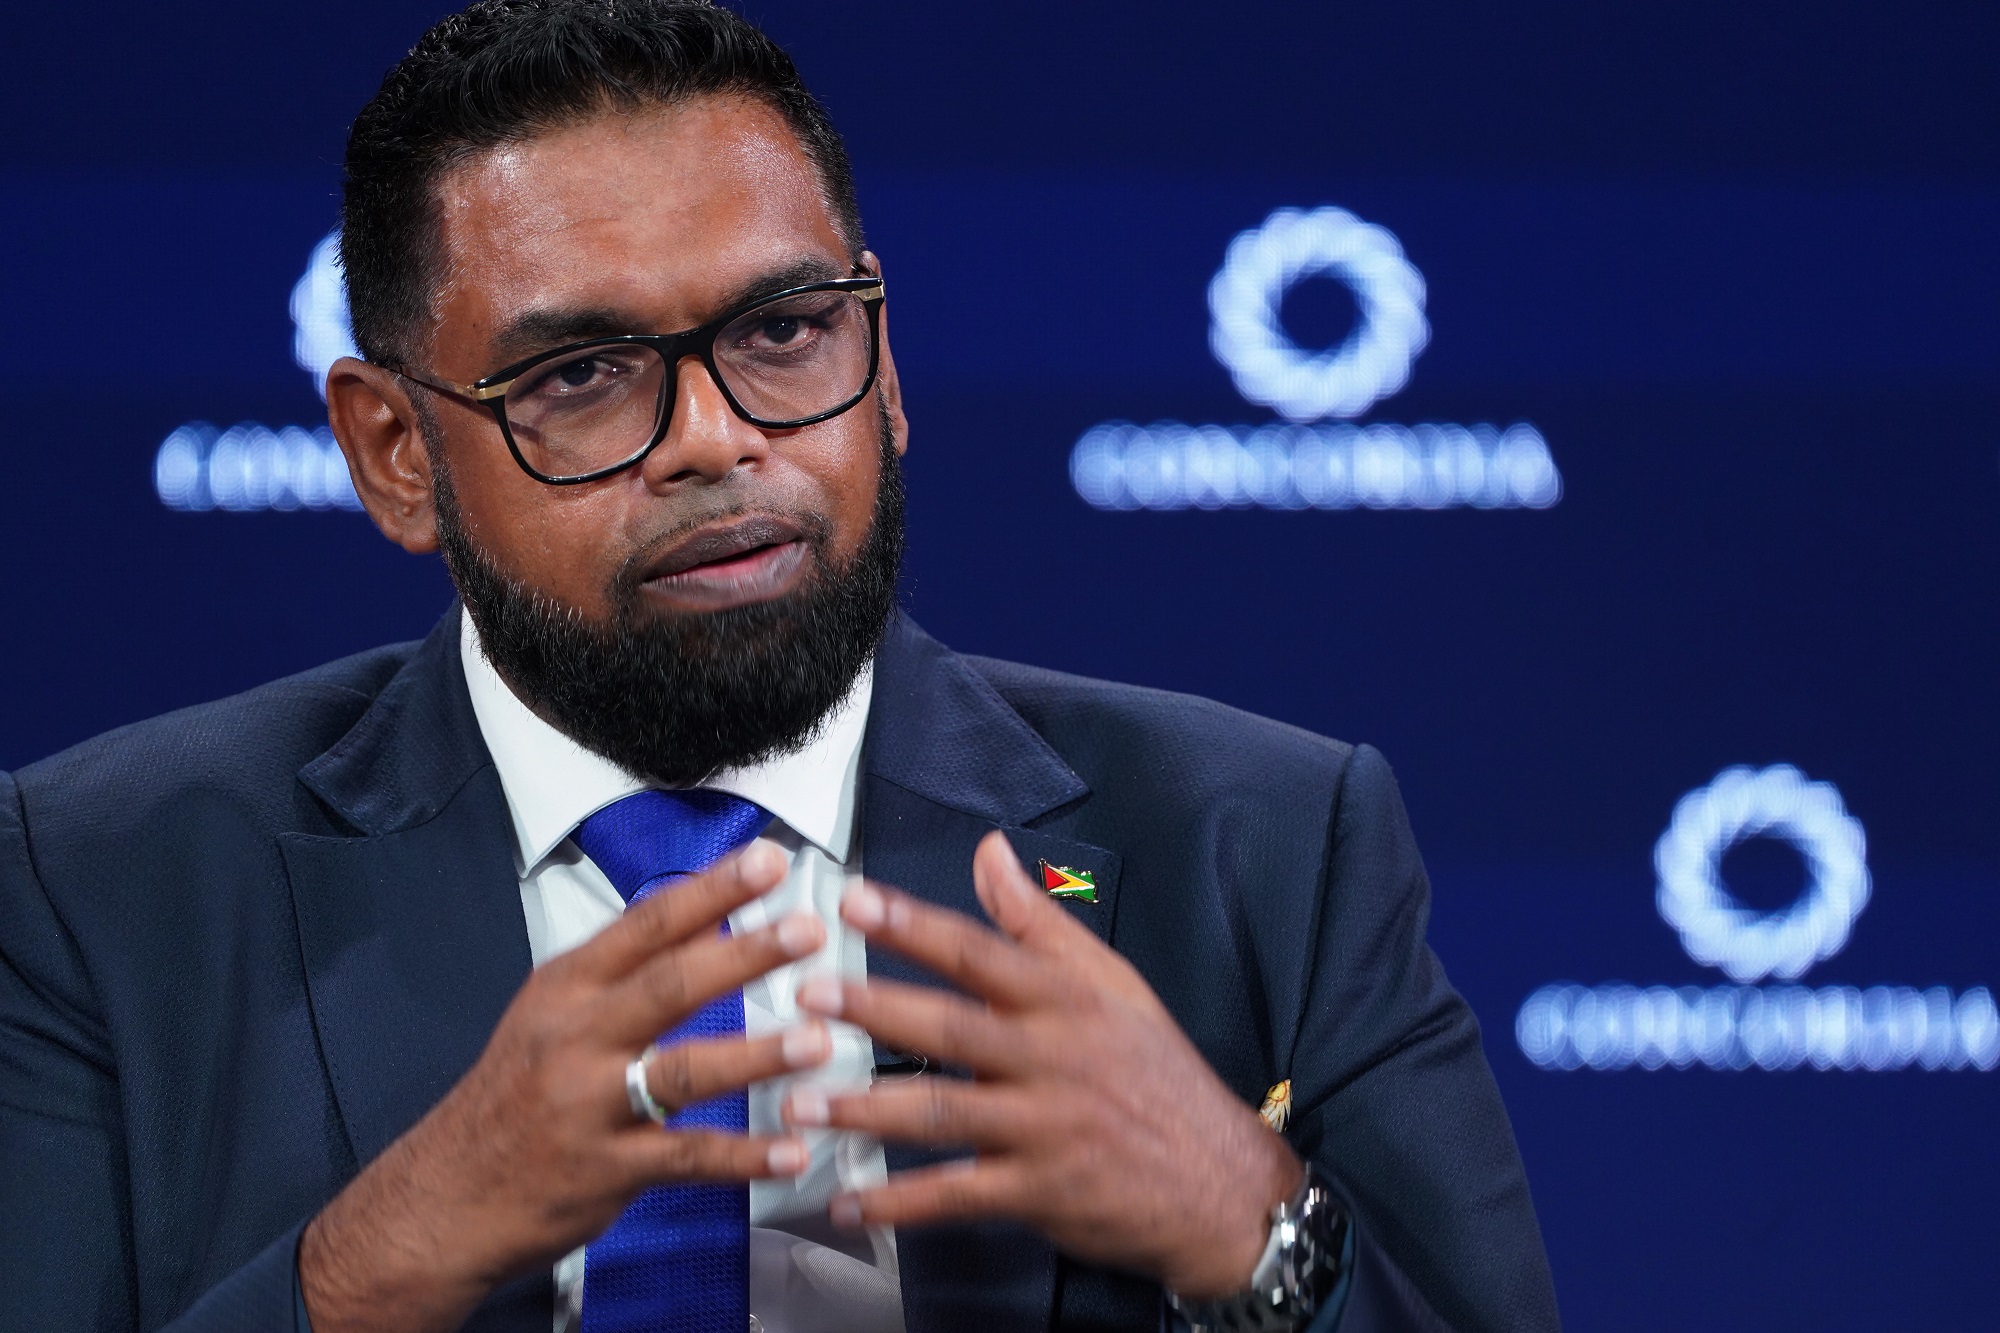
{"points": [[678, 1259]]}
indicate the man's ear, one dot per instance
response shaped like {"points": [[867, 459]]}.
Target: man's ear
{"points": [[372, 416], [887, 383]]}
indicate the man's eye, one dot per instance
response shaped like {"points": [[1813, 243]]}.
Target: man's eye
{"points": [[778, 330], [781, 333], [790, 327], [584, 375], [570, 376]]}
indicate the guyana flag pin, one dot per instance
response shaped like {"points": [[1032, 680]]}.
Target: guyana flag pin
{"points": [[1062, 882]]}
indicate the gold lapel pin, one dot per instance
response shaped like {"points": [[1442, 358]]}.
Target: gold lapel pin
{"points": [[1277, 1107], [1063, 882]]}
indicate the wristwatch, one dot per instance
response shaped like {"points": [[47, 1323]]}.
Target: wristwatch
{"points": [[1303, 1263]]}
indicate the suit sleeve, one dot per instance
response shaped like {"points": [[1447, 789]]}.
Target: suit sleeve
{"points": [[65, 1238], [1393, 1099], [66, 1255]]}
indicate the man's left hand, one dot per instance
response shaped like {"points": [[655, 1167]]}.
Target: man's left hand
{"points": [[1094, 1119]]}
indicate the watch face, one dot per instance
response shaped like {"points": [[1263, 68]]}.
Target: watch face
{"points": [[1301, 1265]]}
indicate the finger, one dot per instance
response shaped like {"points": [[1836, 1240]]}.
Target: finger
{"points": [[1010, 897], [955, 1191], [659, 1157], [954, 946], [1041, 927], [687, 1072], [669, 987], [681, 912], [921, 1110], [943, 1026]]}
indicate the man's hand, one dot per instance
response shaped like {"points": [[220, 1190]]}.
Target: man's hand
{"points": [[536, 1150], [1095, 1119]]}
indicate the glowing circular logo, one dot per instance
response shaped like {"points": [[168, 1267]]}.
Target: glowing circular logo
{"points": [[321, 333], [1714, 927], [1269, 368]]}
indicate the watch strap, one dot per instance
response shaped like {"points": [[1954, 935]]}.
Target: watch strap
{"points": [[1303, 1268]]}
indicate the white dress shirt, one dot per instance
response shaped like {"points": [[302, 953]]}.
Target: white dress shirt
{"points": [[803, 1274]]}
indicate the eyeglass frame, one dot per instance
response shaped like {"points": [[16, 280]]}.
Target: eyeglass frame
{"points": [[490, 391]]}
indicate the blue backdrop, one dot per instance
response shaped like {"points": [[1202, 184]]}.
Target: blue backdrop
{"points": [[1733, 273]]}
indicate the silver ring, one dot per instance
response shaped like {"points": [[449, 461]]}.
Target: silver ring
{"points": [[637, 1093]]}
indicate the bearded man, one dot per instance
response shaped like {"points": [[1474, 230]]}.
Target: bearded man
{"points": [[525, 977]]}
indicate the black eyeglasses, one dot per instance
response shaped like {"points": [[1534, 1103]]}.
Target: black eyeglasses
{"points": [[589, 409]]}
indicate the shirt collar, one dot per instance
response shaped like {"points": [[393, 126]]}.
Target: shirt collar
{"points": [[553, 784]]}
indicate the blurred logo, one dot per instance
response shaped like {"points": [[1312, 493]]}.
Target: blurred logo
{"points": [[1746, 1025], [249, 466], [1303, 463], [321, 331], [1247, 336]]}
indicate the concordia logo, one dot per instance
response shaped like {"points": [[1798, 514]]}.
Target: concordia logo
{"points": [[251, 466], [1746, 1026], [1306, 463]]}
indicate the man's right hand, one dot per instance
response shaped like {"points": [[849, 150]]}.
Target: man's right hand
{"points": [[536, 1150]]}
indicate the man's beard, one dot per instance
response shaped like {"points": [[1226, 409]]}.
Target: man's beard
{"points": [[676, 697]]}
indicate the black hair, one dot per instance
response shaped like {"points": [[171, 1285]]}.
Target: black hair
{"points": [[504, 71]]}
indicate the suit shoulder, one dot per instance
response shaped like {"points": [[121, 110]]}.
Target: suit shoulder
{"points": [[1125, 728], [246, 742]]}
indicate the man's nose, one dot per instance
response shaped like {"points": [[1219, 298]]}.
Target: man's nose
{"points": [[705, 438]]}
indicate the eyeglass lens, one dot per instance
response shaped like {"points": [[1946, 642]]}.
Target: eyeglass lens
{"points": [[783, 362]]}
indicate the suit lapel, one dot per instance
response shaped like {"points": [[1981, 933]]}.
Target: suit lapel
{"points": [[413, 933], [947, 760]]}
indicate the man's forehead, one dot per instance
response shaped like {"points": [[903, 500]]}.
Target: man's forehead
{"points": [[662, 213]]}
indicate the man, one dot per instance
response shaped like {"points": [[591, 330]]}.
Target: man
{"points": [[524, 978]]}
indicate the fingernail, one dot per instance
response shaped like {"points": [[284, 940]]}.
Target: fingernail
{"points": [[806, 1045], [821, 995], [762, 863], [864, 907], [845, 1211], [808, 1107], [788, 1157], [800, 934]]}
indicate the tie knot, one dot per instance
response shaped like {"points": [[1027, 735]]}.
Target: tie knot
{"points": [[654, 835]]}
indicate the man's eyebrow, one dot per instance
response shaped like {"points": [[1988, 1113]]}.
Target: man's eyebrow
{"points": [[798, 273], [536, 331]]}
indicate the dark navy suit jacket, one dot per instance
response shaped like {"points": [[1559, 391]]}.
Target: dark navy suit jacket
{"points": [[245, 946]]}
